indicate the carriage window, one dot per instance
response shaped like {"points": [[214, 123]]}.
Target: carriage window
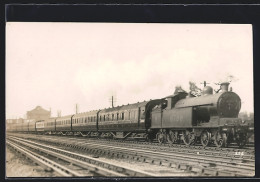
{"points": [[94, 118], [108, 117], [123, 114], [104, 117], [100, 118], [117, 116], [112, 117]]}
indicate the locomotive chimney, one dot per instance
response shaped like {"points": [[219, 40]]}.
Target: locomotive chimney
{"points": [[224, 86]]}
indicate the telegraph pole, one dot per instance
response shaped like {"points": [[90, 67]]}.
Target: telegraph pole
{"points": [[112, 100], [77, 108]]}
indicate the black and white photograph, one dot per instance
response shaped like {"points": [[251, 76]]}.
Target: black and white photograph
{"points": [[93, 99]]}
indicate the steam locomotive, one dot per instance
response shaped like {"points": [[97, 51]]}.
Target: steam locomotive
{"points": [[181, 117]]}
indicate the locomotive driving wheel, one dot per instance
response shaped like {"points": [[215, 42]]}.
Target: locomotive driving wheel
{"points": [[172, 136], [241, 140], [205, 138], [160, 137], [220, 139], [188, 137]]}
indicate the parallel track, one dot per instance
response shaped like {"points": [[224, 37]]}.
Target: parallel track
{"points": [[204, 163], [75, 162]]}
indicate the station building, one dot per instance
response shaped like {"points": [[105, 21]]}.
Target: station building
{"points": [[38, 113]]}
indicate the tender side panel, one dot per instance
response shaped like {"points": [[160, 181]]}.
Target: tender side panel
{"points": [[177, 118], [156, 118]]}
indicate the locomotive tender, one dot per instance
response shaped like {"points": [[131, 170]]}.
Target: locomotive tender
{"points": [[210, 118]]}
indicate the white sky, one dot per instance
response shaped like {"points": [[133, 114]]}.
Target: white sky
{"points": [[56, 65]]}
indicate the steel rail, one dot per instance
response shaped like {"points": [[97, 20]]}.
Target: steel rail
{"points": [[181, 158], [122, 171], [43, 161], [177, 153], [231, 148]]}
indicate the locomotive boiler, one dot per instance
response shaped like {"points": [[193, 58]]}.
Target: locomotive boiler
{"points": [[210, 118]]}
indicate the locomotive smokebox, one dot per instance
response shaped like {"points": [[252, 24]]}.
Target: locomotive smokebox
{"points": [[224, 86]]}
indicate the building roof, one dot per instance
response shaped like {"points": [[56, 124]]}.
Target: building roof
{"points": [[38, 109]]}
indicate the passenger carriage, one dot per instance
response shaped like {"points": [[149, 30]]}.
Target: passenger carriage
{"points": [[85, 124], [39, 127], [127, 121], [63, 124], [31, 126], [50, 126]]}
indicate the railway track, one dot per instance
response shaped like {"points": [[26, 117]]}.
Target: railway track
{"points": [[68, 163], [213, 163], [231, 152]]}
